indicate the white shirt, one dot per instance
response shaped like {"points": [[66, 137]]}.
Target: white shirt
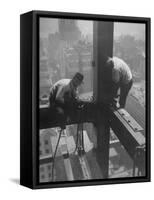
{"points": [[121, 71], [62, 87]]}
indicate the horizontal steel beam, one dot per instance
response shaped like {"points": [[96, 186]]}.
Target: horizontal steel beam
{"points": [[124, 126], [129, 133], [49, 118]]}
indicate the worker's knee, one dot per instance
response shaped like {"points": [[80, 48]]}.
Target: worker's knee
{"points": [[60, 110]]}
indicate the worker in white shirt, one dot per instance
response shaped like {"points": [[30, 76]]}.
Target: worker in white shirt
{"points": [[64, 94], [121, 79]]}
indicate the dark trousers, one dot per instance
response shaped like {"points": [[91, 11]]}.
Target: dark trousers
{"points": [[124, 90], [63, 110]]}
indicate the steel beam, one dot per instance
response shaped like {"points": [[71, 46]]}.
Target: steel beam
{"points": [[129, 133], [103, 47], [49, 118]]}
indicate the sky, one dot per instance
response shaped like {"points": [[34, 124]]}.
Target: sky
{"points": [[138, 30], [50, 25]]}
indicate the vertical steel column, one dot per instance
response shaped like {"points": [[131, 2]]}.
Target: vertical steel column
{"points": [[103, 47]]}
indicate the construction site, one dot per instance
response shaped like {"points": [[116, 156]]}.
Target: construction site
{"points": [[97, 142]]}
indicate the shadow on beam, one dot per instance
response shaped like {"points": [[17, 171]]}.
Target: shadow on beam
{"points": [[49, 118]]}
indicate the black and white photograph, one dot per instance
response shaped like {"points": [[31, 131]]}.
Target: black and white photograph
{"points": [[76, 100], [92, 100]]}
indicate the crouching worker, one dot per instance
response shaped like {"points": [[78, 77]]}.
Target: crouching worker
{"points": [[121, 80], [64, 95]]}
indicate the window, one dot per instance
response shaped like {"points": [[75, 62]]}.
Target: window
{"points": [[70, 46]]}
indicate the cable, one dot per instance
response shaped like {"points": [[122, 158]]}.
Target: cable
{"points": [[55, 154], [79, 129], [77, 139]]}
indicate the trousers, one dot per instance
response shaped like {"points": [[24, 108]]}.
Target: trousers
{"points": [[124, 90]]}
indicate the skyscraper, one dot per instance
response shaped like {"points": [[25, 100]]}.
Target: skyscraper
{"points": [[69, 30]]}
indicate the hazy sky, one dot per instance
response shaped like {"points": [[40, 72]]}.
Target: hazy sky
{"points": [[50, 25], [135, 29]]}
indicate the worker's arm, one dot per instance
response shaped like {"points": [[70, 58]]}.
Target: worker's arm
{"points": [[60, 95], [112, 94], [72, 99], [115, 76], [115, 84]]}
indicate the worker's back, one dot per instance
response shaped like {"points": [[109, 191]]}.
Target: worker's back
{"points": [[121, 71], [58, 89]]}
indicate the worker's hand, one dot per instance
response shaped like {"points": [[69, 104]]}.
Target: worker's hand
{"points": [[92, 99], [115, 105]]}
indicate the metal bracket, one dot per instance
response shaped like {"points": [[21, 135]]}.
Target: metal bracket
{"points": [[130, 120]]}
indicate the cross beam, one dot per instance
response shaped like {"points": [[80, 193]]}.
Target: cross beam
{"points": [[129, 133], [49, 118]]}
